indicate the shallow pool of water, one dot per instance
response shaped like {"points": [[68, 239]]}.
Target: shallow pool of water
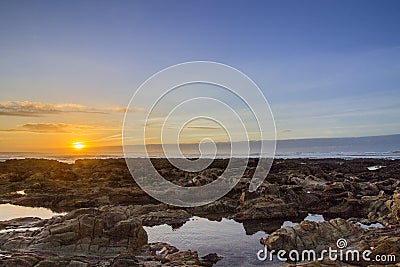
{"points": [[370, 226], [10, 211], [20, 229], [374, 168], [227, 238], [310, 217]]}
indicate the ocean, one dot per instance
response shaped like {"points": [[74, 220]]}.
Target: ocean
{"points": [[387, 147]]}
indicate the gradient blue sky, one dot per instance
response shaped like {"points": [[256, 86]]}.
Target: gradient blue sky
{"points": [[327, 68]]}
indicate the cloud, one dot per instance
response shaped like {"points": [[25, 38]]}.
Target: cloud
{"points": [[123, 110], [38, 109], [204, 127], [57, 128], [109, 138]]}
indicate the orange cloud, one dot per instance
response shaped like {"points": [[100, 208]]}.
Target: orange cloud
{"points": [[38, 109], [57, 128]]}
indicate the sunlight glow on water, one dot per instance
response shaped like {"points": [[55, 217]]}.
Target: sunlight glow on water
{"points": [[10, 211]]}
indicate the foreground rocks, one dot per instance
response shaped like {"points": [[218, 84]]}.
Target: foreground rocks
{"points": [[321, 236], [313, 235], [106, 236], [343, 190], [103, 231], [150, 255]]}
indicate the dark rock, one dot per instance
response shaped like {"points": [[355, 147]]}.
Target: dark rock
{"points": [[210, 259], [104, 231]]}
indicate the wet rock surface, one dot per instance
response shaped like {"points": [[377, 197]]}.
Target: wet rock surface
{"points": [[100, 231], [313, 235], [105, 236], [321, 236], [150, 255], [335, 188]]}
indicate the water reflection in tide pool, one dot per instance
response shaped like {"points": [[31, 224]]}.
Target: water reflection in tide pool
{"points": [[226, 238], [310, 217], [10, 211]]}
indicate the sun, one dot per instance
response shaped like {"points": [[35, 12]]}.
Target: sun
{"points": [[78, 145]]}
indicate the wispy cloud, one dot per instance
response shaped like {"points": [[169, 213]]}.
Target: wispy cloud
{"points": [[123, 110], [57, 128], [38, 109], [114, 137], [204, 127]]}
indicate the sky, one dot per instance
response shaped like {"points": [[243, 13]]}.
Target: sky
{"points": [[69, 68]]}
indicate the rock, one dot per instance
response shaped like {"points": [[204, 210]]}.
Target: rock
{"points": [[174, 217], [332, 187], [245, 196], [293, 188], [261, 208], [22, 222], [105, 236], [319, 236], [20, 259], [210, 259], [383, 208], [347, 207], [395, 206], [163, 254], [313, 235], [309, 182], [183, 257], [157, 247], [215, 210], [103, 231], [75, 263], [146, 256]]}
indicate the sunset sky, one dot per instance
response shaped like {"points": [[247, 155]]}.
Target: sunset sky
{"points": [[69, 68]]}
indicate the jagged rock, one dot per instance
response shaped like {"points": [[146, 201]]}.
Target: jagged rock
{"points": [[147, 256], [106, 230], [183, 257], [293, 188], [261, 208], [383, 208], [22, 222], [210, 259], [320, 236], [332, 187], [313, 235], [395, 205], [174, 217]]}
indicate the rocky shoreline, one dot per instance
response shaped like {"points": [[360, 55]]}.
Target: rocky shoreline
{"points": [[106, 236], [106, 210]]}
